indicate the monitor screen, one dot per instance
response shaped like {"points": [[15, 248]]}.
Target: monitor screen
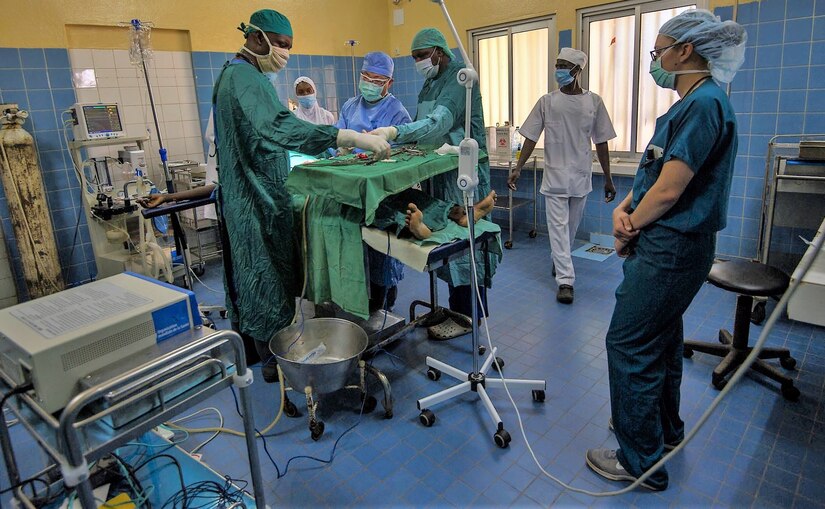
{"points": [[102, 118]]}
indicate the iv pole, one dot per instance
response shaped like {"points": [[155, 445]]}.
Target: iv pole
{"points": [[180, 238], [467, 181]]}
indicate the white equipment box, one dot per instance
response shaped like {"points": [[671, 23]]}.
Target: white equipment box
{"points": [[55, 341], [808, 302]]}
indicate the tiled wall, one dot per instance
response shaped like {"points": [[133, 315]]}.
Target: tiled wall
{"points": [[109, 76], [780, 90], [40, 81], [332, 76]]}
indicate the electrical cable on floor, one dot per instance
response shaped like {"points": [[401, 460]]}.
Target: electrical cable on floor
{"points": [[737, 375]]}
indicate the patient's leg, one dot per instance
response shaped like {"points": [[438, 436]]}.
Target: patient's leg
{"points": [[480, 209], [415, 222]]}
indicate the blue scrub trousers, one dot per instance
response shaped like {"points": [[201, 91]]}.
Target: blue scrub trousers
{"points": [[645, 343]]}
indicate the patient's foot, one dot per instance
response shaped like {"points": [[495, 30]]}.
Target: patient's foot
{"points": [[480, 209], [415, 222]]}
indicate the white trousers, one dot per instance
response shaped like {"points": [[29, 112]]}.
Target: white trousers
{"points": [[564, 213]]}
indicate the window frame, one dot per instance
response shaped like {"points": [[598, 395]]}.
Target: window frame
{"points": [[509, 29], [623, 8]]}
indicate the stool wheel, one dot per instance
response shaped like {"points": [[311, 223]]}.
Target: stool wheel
{"points": [[719, 381], [788, 362], [790, 392], [758, 313], [687, 352]]}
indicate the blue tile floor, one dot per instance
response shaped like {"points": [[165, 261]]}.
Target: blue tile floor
{"points": [[757, 450]]}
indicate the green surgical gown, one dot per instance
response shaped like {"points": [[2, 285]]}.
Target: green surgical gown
{"points": [[254, 134], [438, 120]]}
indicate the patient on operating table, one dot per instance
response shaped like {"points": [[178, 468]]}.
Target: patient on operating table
{"points": [[416, 213]]}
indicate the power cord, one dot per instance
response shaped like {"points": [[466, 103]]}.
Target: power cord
{"points": [[737, 375]]}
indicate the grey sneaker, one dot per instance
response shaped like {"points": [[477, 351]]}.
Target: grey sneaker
{"points": [[605, 463], [668, 447], [565, 295]]}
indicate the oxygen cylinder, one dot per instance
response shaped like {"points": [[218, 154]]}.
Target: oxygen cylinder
{"points": [[20, 175]]}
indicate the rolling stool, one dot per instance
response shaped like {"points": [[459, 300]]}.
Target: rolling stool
{"points": [[748, 280]]}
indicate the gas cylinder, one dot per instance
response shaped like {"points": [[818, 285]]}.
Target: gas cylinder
{"points": [[23, 186]]}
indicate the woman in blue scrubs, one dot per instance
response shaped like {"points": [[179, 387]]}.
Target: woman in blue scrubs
{"points": [[666, 228]]}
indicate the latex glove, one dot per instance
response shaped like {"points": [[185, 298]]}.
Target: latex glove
{"points": [[348, 138], [343, 151], [388, 133]]}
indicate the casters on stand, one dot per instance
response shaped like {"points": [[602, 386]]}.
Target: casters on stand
{"points": [[368, 403], [498, 365], [316, 429], [427, 418], [758, 313], [290, 410], [538, 395], [433, 374], [508, 244], [532, 234], [687, 352], [502, 438]]}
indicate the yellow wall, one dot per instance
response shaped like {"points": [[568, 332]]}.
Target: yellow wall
{"points": [[320, 26], [471, 14]]}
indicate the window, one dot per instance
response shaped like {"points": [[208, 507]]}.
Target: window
{"points": [[617, 39], [513, 64]]}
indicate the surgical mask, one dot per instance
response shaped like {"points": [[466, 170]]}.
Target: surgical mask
{"points": [[307, 101], [371, 91], [664, 78], [273, 61], [563, 77], [426, 67]]}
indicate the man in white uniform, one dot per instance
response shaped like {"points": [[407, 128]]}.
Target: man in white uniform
{"points": [[570, 118]]}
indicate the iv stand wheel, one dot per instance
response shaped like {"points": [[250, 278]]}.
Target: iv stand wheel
{"points": [[502, 438], [532, 234], [538, 395], [687, 352], [433, 374], [427, 418], [508, 244], [498, 365]]}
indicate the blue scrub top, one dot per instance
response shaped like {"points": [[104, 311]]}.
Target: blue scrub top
{"points": [[699, 130], [357, 114]]}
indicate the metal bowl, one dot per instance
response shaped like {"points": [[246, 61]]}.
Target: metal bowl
{"points": [[320, 353]]}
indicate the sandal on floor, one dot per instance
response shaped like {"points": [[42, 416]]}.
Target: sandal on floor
{"points": [[448, 329]]}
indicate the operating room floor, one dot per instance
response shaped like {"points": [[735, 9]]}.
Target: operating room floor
{"points": [[756, 450]]}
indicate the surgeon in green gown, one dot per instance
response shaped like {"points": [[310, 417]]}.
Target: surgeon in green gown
{"points": [[440, 119], [254, 134]]}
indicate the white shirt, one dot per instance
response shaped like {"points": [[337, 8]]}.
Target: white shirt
{"points": [[570, 123]]}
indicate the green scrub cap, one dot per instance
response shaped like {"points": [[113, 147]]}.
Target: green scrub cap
{"points": [[268, 20], [431, 38]]}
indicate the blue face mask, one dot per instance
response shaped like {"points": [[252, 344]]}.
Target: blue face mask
{"points": [[370, 91], [563, 77], [307, 101]]}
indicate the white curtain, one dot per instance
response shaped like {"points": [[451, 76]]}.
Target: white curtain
{"points": [[494, 80]]}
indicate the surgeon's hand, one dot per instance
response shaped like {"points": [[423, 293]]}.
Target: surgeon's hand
{"points": [[378, 146], [152, 201], [623, 229], [388, 133], [609, 191], [343, 151], [513, 177], [623, 249]]}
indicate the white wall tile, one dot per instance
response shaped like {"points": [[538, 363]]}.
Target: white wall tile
{"points": [[87, 95], [103, 59], [109, 94], [191, 128], [81, 58], [182, 59], [131, 96], [194, 146], [130, 72], [189, 111], [107, 82], [163, 60], [168, 95], [121, 57], [176, 148], [171, 112], [187, 95], [165, 81]]}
